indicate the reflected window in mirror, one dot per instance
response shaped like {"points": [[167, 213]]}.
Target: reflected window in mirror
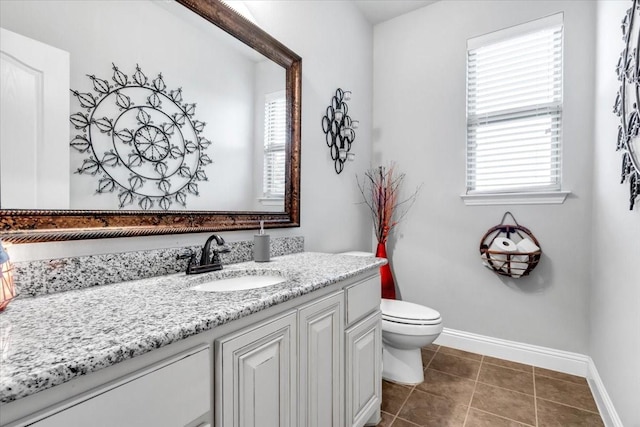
{"points": [[274, 155]]}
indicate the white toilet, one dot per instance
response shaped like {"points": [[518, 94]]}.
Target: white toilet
{"points": [[406, 328]]}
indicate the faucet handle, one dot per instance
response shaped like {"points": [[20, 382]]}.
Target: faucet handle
{"points": [[188, 254], [222, 249], [191, 256]]}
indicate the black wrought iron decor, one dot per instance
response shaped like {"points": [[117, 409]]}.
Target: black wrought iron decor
{"points": [[141, 139], [627, 103], [339, 129]]}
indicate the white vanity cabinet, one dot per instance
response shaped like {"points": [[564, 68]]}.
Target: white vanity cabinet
{"points": [[311, 361], [174, 393], [255, 375]]}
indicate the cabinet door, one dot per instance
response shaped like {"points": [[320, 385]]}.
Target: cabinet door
{"points": [[363, 373], [321, 367], [171, 395], [256, 375]]}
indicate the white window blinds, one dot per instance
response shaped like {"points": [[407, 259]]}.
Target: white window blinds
{"points": [[275, 122], [514, 109]]}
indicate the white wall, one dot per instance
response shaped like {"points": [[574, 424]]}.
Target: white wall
{"points": [[419, 121], [615, 293], [335, 43]]}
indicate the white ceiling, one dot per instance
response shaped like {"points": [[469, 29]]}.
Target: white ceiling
{"points": [[377, 11]]}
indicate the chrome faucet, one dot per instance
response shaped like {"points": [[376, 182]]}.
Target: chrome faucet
{"points": [[210, 257]]}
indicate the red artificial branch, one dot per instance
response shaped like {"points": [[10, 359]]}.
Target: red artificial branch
{"points": [[381, 191]]}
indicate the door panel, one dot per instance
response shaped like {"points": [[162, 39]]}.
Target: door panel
{"points": [[34, 124], [256, 376], [321, 363], [364, 381]]}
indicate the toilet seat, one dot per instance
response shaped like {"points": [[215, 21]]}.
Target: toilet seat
{"points": [[407, 313]]}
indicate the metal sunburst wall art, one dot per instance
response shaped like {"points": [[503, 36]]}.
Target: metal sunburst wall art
{"points": [[627, 103], [142, 140]]}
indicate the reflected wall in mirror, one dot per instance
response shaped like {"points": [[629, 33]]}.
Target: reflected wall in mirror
{"points": [[246, 88]]}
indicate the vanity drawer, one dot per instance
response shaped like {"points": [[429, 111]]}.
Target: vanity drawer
{"points": [[175, 393], [362, 298]]}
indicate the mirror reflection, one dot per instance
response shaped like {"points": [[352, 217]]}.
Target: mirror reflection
{"points": [[136, 105]]}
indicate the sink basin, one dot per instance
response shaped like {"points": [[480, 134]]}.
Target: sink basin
{"points": [[240, 283]]}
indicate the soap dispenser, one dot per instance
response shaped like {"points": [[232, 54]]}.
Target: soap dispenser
{"points": [[261, 245]]}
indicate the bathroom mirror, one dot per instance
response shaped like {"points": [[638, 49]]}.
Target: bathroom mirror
{"points": [[88, 217]]}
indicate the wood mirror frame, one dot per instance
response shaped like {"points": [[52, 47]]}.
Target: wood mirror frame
{"points": [[21, 226]]}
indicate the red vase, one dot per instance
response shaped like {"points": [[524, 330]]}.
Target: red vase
{"points": [[386, 278]]}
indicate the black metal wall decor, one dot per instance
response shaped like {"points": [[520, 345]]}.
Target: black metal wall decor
{"points": [[141, 140], [627, 103], [339, 129]]}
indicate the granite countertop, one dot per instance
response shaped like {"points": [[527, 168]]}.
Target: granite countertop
{"points": [[51, 339]]}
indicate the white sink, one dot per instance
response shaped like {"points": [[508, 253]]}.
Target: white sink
{"points": [[239, 283]]}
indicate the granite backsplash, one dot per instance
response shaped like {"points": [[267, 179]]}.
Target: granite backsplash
{"points": [[33, 278]]}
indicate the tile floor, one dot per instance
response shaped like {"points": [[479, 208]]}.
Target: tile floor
{"points": [[472, 390]]}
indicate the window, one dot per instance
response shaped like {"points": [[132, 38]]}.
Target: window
{"points": [[514, 109], [275, 122]]}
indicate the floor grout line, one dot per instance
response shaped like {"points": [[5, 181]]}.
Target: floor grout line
{"points": [[503, 417], [507, 389], [542, 374], [509, 367], [463, 357], [564, 381], [513, 369], [406, 421], [535, 396], [569, 406], [403, 403], [475, 385], [454, 375], [430, 360]]}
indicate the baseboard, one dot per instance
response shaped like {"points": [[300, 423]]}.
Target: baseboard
{"points": [[543, 357], [605, 405]]}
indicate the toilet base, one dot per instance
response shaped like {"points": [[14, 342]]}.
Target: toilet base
{"points": [[402, 365]]}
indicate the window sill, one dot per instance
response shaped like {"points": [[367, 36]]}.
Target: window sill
{"points": [[271, 201], [538, 198]]}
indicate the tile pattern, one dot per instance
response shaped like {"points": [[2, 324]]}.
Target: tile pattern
{"points": [[33, 278], [50, 339], [465, 389]]}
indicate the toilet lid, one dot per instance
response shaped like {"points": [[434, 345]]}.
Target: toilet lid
{"points": [[408, 312]]}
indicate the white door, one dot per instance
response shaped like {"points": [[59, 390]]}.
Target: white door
{"points": [[34, 124]]}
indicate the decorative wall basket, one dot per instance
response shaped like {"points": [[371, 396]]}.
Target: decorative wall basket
{"points": [[510, 249]]}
